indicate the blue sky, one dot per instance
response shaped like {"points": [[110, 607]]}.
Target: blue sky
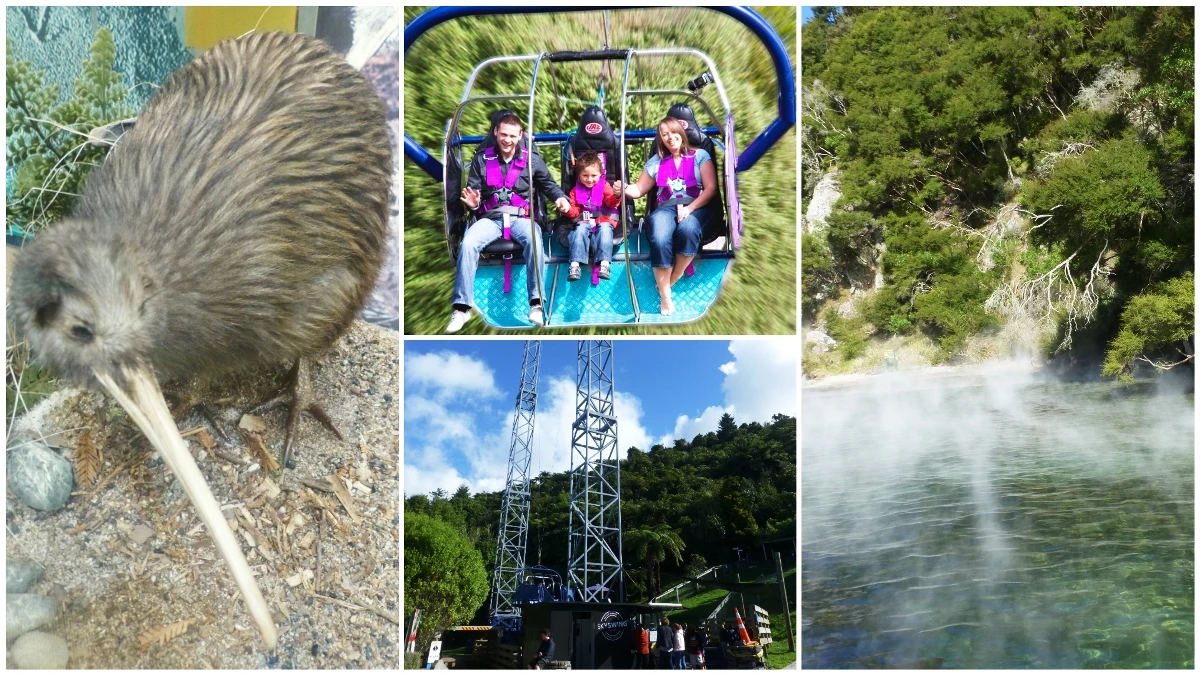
{"points": [[459, 397], [805, 14]]}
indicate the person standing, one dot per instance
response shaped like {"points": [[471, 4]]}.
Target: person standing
{"points": [[666, 644], [679, 653], [641, 648]]}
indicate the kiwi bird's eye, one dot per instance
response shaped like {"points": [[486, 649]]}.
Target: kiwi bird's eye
{"points": [[82, 333]]}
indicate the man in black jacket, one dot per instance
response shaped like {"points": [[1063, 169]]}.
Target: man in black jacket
{"points": [[498, 184], [545, 651]]}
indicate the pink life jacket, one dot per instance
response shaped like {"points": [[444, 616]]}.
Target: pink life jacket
{"points": [[503, 194], [677, 185]]}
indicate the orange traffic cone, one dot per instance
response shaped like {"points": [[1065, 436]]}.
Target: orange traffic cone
{"points": [[741, 627]]}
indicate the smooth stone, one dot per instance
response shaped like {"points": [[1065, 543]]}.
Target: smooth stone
{"points": [[21, 574], [141, 534], [24, 612], [40, 651], [39, 477]]}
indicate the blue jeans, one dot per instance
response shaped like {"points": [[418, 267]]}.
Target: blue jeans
{"points": [[669, 238], [482, 233], [678, 660], [582, 240]]}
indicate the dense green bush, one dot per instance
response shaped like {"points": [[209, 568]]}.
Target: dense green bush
{"points": [[937, 118], [1154, 326], [443, 574]]}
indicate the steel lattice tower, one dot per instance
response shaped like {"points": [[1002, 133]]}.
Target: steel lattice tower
{"points": [[594, 547], [514, 509]]}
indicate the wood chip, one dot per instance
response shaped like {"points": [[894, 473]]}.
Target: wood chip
{"points": [[299, 578], [343, 495], [307, 540], [252, 424], [228, 456], [163, 634], [322, 485], [268, 487], [207, 441], [297, 520], [258, 449]]}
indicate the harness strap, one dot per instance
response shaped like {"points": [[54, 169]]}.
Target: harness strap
{"points": [[508, 256]]}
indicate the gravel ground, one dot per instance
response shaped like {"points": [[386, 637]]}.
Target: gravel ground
{"points": [[128, 557]]}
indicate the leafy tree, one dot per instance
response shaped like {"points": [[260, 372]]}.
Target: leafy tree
{"points": [[652, 546], [726, 427], [1160, 320], [443, 574]]}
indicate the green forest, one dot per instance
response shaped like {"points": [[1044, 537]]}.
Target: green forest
{"points": [[760, 295], [990, 177], [683, 509]]}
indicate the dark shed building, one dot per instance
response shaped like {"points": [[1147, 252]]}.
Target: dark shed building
{"points": [[596, 635]]}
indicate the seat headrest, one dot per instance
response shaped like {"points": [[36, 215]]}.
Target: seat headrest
{"points": [[687, 118], [595, 133]]}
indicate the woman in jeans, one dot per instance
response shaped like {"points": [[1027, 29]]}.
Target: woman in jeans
{"points": [[686, 180]]}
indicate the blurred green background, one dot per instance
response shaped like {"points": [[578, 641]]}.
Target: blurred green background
{"points": [[760, 295]]}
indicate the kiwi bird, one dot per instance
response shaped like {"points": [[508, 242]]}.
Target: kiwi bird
{"points": [[241, 222]]}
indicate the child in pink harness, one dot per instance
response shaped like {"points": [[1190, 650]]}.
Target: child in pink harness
{"points": [[594, 213]]}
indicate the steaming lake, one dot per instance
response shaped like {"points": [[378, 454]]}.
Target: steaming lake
{"points": [[996, 521]]}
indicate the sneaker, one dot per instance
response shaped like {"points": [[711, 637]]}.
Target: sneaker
{"points": [[458, 319], [536, 317], [604, 273], [574, 273]]}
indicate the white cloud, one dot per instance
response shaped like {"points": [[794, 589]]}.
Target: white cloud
{"points": [[763, 381], [760, 382], [447, 375], [439, 430]]}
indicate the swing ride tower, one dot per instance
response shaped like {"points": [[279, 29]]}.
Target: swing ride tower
{"points": [[514, 509], [594, 561]]}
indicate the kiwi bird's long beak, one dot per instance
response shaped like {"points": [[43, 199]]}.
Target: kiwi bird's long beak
{"points": [[136, 389]]}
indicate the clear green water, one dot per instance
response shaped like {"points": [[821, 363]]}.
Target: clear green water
{"points": [[997, 522]]}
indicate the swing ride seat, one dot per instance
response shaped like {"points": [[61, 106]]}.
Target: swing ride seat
{"points": [[629, 296]]}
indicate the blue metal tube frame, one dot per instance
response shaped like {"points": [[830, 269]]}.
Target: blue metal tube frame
{"points": [[638, 135], [786, 101]]}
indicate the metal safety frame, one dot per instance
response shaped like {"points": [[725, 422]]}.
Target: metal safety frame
{"points": [[594, 558], [514, 509]]}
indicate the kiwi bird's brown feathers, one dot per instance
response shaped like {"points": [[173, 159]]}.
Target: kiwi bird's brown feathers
{"points": [[243, 220]]}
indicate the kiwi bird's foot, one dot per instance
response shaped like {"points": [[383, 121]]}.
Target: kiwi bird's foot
{"points": [[189, 401], [299, 398]]}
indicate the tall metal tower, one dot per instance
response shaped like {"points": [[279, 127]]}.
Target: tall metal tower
{"points": [[594, 561], [514, 509]]}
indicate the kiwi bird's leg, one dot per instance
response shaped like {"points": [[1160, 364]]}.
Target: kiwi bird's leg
{"points": [[136, 389], [300, 398]]}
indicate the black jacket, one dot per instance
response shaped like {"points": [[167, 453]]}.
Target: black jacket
{"points": [[541, 178], [547, 648]]}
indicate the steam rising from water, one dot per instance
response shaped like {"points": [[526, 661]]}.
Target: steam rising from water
{"points": [[993, 520]]}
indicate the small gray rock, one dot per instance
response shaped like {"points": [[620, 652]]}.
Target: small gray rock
{"points": [[24, 612], [40, 651], [21, 574], [40, 477], [141, 534]]}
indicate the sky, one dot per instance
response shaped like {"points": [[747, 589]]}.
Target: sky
{"points": [[805, 14], [459, 397]]}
